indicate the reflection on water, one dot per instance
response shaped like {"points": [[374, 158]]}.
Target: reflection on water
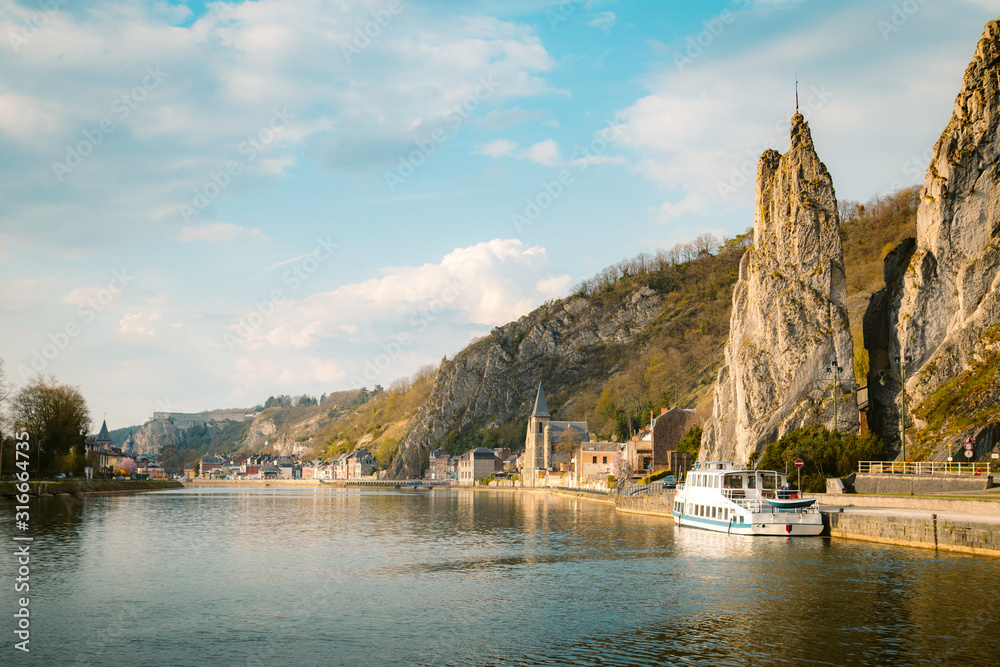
{"points": [[382, 577]]}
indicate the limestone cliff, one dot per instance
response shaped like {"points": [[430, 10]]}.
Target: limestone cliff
{"points": [[943, 315], [789, 320], [494, 381]]}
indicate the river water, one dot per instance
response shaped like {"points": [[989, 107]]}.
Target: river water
{"points": [[250, 577]]}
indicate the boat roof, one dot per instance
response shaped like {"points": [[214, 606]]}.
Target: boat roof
{"points": [[728, 467]]}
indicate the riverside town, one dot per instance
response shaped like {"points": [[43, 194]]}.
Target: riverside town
{"points": [[536, 333]]}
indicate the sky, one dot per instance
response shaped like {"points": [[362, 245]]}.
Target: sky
{"points": [[203, 204]]}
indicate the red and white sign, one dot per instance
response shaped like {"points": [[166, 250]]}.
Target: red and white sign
{"points": [[968, 453], [799, 463], [968, 446]]}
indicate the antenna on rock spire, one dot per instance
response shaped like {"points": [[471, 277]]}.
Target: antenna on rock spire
{"points": [[796, 93]]}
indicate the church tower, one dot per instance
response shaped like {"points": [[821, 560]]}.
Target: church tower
{"points": [[537, 444]]}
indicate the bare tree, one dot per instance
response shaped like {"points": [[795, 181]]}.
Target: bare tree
{"points": [[704, 244]]}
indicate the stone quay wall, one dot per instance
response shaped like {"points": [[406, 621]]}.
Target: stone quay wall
{"points": [[659, 504], [928, 532]]}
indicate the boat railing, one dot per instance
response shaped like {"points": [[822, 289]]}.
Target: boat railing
{"points": [[755, 500]]}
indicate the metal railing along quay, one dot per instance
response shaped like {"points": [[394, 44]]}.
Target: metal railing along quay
{"points": [[629, 490], [583, 489], [925, 468]]}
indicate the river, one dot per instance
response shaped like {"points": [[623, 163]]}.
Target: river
{"points": [[230, 576]]}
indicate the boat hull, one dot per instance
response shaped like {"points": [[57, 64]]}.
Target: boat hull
{"points": [[777, 524]]}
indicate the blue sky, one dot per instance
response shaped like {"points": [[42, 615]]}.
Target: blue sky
{"points": [[204, 204]]}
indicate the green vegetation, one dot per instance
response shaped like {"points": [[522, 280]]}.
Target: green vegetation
{"points": [[56, 418], [201, 438], [825, 453], [652, 477], [173, 459], [91, 486], [674, 361], [344, 419], [691, 442], [968, 400]]}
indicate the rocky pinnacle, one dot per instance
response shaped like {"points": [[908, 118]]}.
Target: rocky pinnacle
{"points": [[789, 320]]}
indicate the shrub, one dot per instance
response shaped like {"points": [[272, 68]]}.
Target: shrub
{"points": [[652, 477], [691, 442], [825, 453]]}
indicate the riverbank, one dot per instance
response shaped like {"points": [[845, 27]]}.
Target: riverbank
{"points": [[76, 487], [961, 524]]}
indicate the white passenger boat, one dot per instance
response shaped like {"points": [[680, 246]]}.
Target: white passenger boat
{"points": [[722, 498]]}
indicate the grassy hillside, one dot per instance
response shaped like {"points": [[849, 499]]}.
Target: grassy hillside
{"points": [[972, 399], [674, 362]]}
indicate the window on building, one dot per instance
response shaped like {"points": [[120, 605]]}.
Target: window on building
{"points": [[605, 459], [595, 459]]}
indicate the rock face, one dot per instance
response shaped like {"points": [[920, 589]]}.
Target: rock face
{"points": [[949, 295], [495, 380], [156, 434], [789, 320]]}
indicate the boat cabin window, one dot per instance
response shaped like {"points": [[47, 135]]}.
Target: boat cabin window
{"points": [[733, 482], [752, 482], [770, 481]]}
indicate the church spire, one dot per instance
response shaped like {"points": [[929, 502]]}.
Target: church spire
{"points": [[541, 409], [104, 436]]}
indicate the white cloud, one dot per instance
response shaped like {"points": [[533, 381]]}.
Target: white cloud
{"points": [[489, 283], [554, 287], [544, 153], [221, 80], [220, 232], [139, 324], [497, 148], [701, 130], [604, 21]]}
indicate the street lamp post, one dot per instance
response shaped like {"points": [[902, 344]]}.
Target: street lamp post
{"points": [[902, 361]]}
